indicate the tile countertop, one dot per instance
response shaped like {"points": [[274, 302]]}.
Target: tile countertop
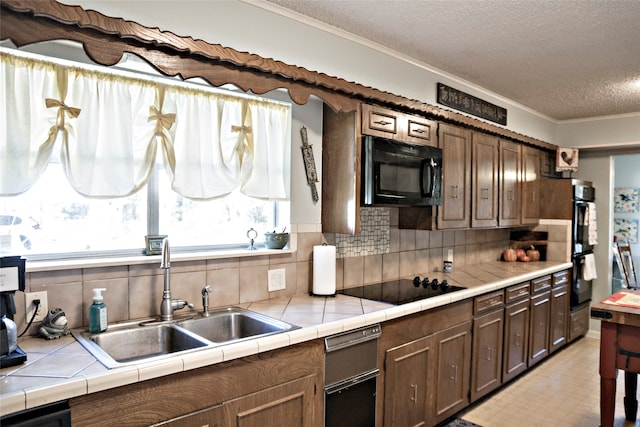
{"points": [[61, 369]]}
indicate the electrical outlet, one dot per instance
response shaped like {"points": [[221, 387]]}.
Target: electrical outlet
{"points": [[30, 306], [277, 279]]}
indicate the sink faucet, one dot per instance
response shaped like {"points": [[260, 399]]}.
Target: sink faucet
{"points": [[168, 305], [205, 299]]}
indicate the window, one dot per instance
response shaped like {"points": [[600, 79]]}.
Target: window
{"points": [[51, 220]]}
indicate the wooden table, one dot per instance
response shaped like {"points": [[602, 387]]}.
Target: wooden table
{"points": [[619, 349]]}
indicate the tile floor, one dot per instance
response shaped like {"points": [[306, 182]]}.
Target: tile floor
{"points": [[563, 391]]}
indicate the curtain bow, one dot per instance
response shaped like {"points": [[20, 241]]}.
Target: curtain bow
{"points": [[71, 111], [163, 121], [245, 139]]}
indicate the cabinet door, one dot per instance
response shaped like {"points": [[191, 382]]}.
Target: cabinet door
{"points": [[456, 177], [530, 187], [516, 339], [486, 366], [407, 384], [453, 366], [210, 417], [341, 147], [539, 331], [420, 130], [559, 317], [288, 404], [484, 182], [510, 197], [382, 122]]}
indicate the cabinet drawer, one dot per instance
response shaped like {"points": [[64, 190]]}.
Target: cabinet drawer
{"points": [[517, 292], [421, 131], [560, 278], [378, 121], [488, 302], [540, 284]]}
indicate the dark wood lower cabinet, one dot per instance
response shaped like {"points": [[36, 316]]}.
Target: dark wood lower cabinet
{"points": [[516, 339], [283, 387], [289, 404], [539, 331], [453, 363], [559, 319], [486, 369], [409, 384]]}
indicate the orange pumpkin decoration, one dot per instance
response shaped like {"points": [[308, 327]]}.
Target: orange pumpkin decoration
{"points": [[534, 254], [509, 255]]}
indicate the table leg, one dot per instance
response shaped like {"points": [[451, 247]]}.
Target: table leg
{"points": [[630, 400], [608, 372]]}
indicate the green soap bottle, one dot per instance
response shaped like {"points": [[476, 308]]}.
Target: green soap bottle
{"points": [[98, 312]]}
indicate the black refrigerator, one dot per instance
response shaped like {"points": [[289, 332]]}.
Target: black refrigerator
{"points": [[583, 241]]}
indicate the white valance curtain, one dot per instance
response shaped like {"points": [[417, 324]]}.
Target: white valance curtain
{"points": [[110, 126]]}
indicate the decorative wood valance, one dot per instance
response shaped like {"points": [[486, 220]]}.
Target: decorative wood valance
{"points": [[106, 39]]}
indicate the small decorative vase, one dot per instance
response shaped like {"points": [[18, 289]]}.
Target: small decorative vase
{"points": [[276, 240]]}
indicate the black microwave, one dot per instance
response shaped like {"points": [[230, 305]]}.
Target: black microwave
{"points": [[401, 174]]}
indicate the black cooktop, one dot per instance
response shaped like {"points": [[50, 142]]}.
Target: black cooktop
{"points": [[402, 291]]}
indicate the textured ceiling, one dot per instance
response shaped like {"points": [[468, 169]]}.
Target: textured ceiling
{"points": [[565, 59]]}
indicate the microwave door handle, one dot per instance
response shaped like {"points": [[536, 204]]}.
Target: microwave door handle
{"points": [[431, 167]]}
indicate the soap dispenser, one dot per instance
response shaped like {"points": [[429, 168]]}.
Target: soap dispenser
{"points": [[98, 312]]}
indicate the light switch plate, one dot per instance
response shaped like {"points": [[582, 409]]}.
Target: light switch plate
{"points": [[277, 279], [30, 306]]}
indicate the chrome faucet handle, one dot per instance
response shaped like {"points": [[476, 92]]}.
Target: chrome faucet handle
{"points": [[177, 304]]}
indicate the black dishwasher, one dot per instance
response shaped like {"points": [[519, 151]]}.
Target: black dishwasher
{"points": [[53, 415], [351, 374]]}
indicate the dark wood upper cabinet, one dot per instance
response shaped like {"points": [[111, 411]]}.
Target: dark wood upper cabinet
{"points": [[484, 180], [455, 143], [341, 172], [531, 158], [510, 189]]}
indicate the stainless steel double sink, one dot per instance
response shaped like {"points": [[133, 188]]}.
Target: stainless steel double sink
{"points": [[142, 341]]}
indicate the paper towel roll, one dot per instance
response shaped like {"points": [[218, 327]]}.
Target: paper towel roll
{"points": [[324, 270]]}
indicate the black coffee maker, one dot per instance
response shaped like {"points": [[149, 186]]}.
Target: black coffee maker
{"points": [[12, 278]]}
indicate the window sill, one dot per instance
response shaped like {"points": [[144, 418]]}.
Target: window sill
{"points": [[49, 265]]}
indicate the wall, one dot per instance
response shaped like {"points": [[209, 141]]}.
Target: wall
{"points": [[627, 175], [614, 131]]}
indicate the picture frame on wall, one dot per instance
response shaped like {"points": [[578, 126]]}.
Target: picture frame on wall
{"points": [[626, 200], [566, 159], [625, 230]]}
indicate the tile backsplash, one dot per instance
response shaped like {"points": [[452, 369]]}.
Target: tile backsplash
{"points": [[381, 252], [373, 238]]}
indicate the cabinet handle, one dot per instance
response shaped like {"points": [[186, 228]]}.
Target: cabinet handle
{"points": [[518, 340], [533, 195], [455, 373], [415, 392], [484, 193], [454, 191], [382, 123], [489, 353], [418, 130], [510, 195]]}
